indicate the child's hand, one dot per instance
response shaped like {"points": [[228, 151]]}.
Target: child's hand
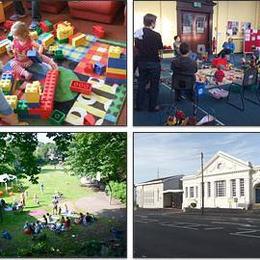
{"points": [[54, 65]]}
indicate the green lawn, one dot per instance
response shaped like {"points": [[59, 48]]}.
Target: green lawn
{"points": [[80, 241]]}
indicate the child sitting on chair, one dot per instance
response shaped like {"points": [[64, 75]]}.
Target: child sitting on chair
{"points": [[21, 44]]}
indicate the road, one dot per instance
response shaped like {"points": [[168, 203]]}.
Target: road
{"points": [[177, 235]]}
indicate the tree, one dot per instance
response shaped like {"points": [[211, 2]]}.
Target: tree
{"points": [[17, 155], [94, 154], [62, 141]]}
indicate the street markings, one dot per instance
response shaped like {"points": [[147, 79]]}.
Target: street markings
{"points": [[247, 233]]}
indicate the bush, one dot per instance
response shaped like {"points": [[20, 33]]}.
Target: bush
{"points": [[118, 190]]}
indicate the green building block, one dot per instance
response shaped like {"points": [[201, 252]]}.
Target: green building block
{"points": [[63, 41], [22, 106], [38, 30], [10, 37], [57, 117], [49, 24], [58, 55]]}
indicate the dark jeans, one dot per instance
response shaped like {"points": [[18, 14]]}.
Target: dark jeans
{"points": [[148, 72], [19, 9], [224, 52]]}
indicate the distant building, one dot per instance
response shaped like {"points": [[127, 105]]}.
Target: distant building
{"points": [[160, 193], [228, 183]]}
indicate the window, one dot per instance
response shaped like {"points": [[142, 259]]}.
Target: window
{"points": [[220, 188], [197, 192], [200, 24], [209, 189], [242, 187], [192, 192], [187, 23], [233, 188], [186, 192]]}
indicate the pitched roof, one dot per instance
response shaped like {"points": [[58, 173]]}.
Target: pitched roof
{"points": [[163, 179]]}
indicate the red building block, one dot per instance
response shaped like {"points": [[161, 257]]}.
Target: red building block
{"points": [[89, 68], [44, 27], [98, 31], [8, 24], [89, 120], [81, 87]]}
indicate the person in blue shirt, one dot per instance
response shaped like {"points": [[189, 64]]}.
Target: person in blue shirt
{"points": [[228, 48]]}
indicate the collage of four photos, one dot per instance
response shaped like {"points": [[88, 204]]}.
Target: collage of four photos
{"points": [[142, 111]]}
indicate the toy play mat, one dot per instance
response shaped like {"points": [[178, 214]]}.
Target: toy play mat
{"points": [[103, 104]]}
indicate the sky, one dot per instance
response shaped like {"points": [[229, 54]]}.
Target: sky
{"points": [[179, 153], [43, 138]]}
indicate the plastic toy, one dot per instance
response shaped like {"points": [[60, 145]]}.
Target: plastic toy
{"points": [[99, 68], [32, 92], [8, 24], [3, 44], [98, 31], [219, 75], [34, 56], [89, 68], [57, 117], [34, 35], [12, 101], [89, 120], [81, 87], [10, 37], [52, 49], [58, 55], [64, 31], [114, 52], [46, 26], [6, 85], [48, 40], [78, 39], [38, 30]]}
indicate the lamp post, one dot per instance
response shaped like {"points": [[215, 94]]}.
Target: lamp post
{"points": [[202, 185]]}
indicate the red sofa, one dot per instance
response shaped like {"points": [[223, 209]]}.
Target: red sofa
{"points": [[48, 6], [98, 11]]}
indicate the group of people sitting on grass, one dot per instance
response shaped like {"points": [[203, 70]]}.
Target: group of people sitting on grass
{"points": [[148, 46], [15, 206], [85, 219]]}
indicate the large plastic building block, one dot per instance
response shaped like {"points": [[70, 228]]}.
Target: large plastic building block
{"points": [[46, 26], [99, 68], [117, 63], [33, 92], [116, 71], [34, 35], [38, 30], [81, 87], [114, 52], [98, 31], [8, 75], [52, 49], [3, 45], [34, 56], [12, 100], [10, 37], [57, 117], [6, 85], [89, 68], [78, 39], [89, 120], [48, 40], [58, 55], [8, 24], [64, 30]]}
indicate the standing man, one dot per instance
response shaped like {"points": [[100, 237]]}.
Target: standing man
{"points": [[148, 43]]}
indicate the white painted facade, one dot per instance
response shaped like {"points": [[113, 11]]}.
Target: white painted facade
{"points": [[228, 183]]}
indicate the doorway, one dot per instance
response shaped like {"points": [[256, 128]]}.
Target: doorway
{"points": [[257, 195]]}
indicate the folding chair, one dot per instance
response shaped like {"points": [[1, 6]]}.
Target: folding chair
{"points": [[249, 79]]}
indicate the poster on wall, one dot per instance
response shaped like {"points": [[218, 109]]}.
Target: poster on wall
{"points": [[245, 26], [232, 28]]}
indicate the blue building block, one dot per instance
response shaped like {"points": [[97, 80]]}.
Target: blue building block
{"points": [[33, 105], [111, 81], [99, 68], [34, 56], [117, 63], [6, 76]]}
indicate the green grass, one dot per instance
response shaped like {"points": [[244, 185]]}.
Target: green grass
{"points": [[66, 244]]}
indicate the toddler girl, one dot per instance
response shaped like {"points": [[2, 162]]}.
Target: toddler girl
{"points": [[21, 44]]}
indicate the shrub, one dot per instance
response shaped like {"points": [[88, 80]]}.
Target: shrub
{"points": [[118, 190]]}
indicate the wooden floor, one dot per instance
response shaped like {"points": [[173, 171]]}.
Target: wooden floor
{"points": [[115, 31]]}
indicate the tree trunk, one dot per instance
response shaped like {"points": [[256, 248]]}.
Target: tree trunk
{"points": [[110, 197]]}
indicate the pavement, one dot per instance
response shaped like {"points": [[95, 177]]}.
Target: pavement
{"points": [[172, 234]]}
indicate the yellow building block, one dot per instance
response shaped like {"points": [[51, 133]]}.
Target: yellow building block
{"points": [[114, 52], [33, 92], [3, 48], [52, 49], [46, 42], [116, 71], [12, 100], [6, 84], [64, 30], [79, 40], [34, 35]]}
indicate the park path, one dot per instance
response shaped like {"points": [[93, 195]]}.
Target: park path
{"points": [[98, 204]]}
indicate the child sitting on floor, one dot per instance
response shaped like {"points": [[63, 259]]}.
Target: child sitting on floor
{"points": [[21, 44]]}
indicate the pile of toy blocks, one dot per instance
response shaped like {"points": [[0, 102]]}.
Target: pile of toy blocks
{"points": [[64, 31], [6, 82], [116, 67]]}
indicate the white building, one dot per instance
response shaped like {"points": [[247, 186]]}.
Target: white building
{"points": [[160, 193], [228, 183]]}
